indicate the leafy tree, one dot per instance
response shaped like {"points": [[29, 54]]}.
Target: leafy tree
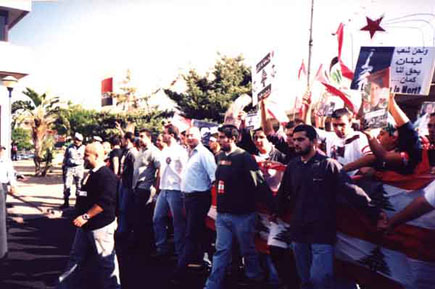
{"points": [[39, 113], [21, 137], [91, 123], [209, 96]]}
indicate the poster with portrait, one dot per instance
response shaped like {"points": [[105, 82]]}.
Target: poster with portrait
{"points": [[375, 96], [423, 117]]}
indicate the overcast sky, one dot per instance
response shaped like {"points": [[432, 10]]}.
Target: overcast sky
{"points": [[77, 43]]}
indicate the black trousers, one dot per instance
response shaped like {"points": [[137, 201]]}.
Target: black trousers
{"points": [[197, 205], [143, 236]]}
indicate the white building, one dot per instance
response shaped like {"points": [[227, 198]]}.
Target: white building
{"points": [[14, 60]]}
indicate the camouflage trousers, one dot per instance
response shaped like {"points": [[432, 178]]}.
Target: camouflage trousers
{"points": [[73, 178]]}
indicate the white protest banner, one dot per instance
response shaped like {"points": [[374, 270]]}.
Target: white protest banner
{"points": [[263, 75], [412, 69]]}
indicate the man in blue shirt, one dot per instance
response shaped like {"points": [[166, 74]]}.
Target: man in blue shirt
{"points": [[197, 179]]}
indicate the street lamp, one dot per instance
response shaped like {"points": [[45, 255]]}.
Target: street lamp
{"points": [[9, 82]]}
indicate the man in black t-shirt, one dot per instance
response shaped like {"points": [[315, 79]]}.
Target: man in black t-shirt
{"points": [[239, 185], [96, 223]]}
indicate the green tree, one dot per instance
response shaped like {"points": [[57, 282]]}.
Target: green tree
{"points": [[21, 137], [39, 114], [209, 96], [89, 123]]}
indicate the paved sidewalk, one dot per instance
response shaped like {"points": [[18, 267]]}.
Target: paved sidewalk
{"points": [[37, 197], [39, 238]]}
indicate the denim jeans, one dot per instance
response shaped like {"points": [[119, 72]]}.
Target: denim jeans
{"points": [[315, 265], [169, 200], [243, 228], [126, 202], [99, 243]]}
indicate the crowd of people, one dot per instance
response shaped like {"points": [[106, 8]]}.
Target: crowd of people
{"points": [[137, 181]]}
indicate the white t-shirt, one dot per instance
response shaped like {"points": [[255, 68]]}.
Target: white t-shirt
{"points": [[173, 161], [345, 150]]}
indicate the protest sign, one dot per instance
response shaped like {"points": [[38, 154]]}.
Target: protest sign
{"points": [[263, 75], [423, 117], [252, 121], [412, 68], [375, 99]]}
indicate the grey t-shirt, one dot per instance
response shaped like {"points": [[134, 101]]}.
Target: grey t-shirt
{"points": [[145, 168]]}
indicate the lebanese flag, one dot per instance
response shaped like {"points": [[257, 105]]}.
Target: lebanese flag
{"points": [[348, 73], [335, 91], [404, 259], [302, 70], [320, 75]]}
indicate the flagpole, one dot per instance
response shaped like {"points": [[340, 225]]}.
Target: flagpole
{"points": [[310, 45]]}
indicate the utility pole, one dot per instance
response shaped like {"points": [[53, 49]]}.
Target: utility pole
{"points": [[310, 46]]}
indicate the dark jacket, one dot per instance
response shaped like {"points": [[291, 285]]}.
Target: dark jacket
{"points": [[240, 183], [310, 191]]}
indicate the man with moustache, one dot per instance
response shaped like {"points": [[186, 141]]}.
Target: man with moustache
{"points": [[309, 187], [95, 222]]}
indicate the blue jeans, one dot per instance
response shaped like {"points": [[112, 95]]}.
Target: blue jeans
{"points": [[243, 228], [99, 243], [126, 205], [315, 265], [169, 200]]}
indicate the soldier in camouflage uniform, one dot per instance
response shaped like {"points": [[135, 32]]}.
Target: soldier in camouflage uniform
{"points": [[73, 165]]}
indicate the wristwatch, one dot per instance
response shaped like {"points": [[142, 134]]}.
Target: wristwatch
{"points": [[86, 217]]}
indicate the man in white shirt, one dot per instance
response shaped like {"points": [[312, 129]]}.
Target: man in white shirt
{"points": [[7, 177], [172, 163], [344, 144]]}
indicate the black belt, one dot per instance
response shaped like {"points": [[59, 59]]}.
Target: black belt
{"points": [[196, 193]]}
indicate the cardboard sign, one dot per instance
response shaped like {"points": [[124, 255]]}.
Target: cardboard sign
{"points": [[252, 121], [412, 68], [263, 75]]}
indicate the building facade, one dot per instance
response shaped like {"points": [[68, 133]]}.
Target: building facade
{"points": [[14, 59]]}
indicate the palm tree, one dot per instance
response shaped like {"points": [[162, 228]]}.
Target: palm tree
{"points": [[39, 113]]}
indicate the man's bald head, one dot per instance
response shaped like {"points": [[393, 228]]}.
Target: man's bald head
{"points": [[193, 137], [94, 154]]}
